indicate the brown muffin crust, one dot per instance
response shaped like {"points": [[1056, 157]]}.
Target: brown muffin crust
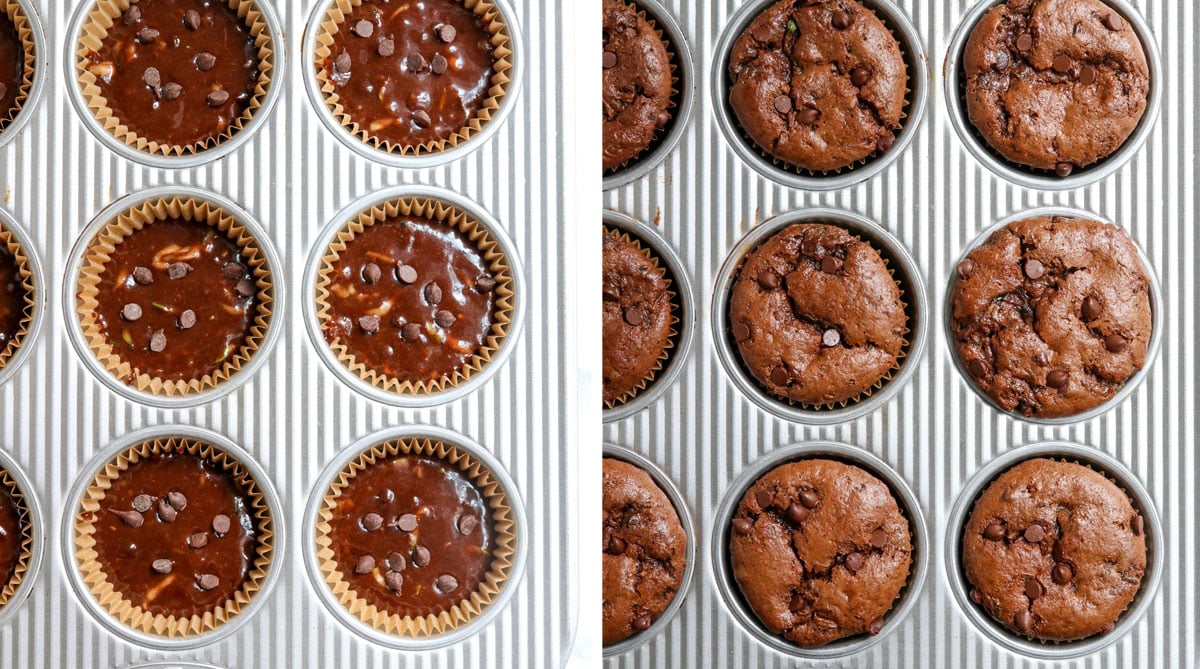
{"points": [[638, 84], [817, 317], [1051, 315], [637, 316], [1054, 550], [644, 551], [818, 84], [1055, 84], [820, 550]]}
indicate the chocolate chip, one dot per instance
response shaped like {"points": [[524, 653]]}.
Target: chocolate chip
{"points": [[642, 622], [198, 540], [1087, 75], [131, 15], [1113, 22], [143, 276], [796, 513], [410, 332], [433, 293], [131, 312], [993, 532], [831, 338], [809, 115], [783, 104], [171, 90], [742, 525], [422, 118], [407, 522], [1107, 629], [342, 63], [245, 287], [130, 518], [616, 546], [768, 279], [162, 566], [1002, 60], [976, 596], [764, 498], [394, 580], [177, 500], [780, 376], [166, 512], [142, 503], [809, 499], [1115, 343], [876, 626], [191, 19], [363, 28], [741, 331], [187, 320], [1091, 309], [485, 283], [221, 524], [446, 32], [860, 76], [421, 556], [1033, 588], [151, 77], [415, 62], [1035, 533], [1137, 525], [1063, 169], [830, 265], [147, 35], [386, 47], [1023, 620], [842, 20], [467, 524], [205, 61], [372, 522], [158, 341], [365, 564], [965, 269], [407, 273], [1057, 379], [976, 368], [178, 270], [632, 315], [1024, 42], [217, 98], [446, 319], [854, 562], [885, 142], [446, 583], [610, 60], [369, 324], [233, 270], [438, 64], [879, 537], [1062, 573], [1034, 269], [396, 561], [207, 581]]}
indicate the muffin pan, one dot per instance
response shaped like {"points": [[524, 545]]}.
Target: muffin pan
{"points": [[935, 199]]}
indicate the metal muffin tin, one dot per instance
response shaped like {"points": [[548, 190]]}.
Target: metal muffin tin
{"points": [[936, 198]]}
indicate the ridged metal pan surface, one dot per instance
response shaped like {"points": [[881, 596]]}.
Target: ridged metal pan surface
{"points": [[936, 433], [293, 416]]}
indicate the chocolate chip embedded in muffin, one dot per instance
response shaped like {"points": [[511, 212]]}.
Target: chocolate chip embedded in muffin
{"points": [[638, 83], [819, 85], [1051, 315], [816, 315], [637, 316], [820, 551], [1054, 550], [644, 551], [1055, 84]]}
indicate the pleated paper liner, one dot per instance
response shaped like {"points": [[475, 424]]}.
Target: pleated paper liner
{"points": [[16, 14], [95, 28], [676, 309], [905, 343], [25, 271], [501, 521], [502, 68], [9, 485], [676, 88], [97, 254], [475, 233], [115, 602]]}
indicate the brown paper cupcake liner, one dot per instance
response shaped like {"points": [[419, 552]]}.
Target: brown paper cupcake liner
{"points": [[502, 54], [676, 308], [502, 555], [676, 91], [91, 36], [98, 252], [25, 270], [20, 21], [477, 234], [8, 484], [121, 608]]}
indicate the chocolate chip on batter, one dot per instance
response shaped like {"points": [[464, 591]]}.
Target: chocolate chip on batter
{"points": [[446, 32], [217, 97], [386, 47], [363, 28], [407, 273], [205, 61], [166, 512], [207, 581], [187, 320], [178, 270], [147, 35], [372, 522], [191, 19], [130, 518], [438, 64], [433, 293], [221, 524], [171, 90], [131, 312], [162, 566], [198, 540], [365, 564], [158, 342], [421, 556]]}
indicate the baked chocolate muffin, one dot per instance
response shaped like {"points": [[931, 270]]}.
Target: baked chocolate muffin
{"points": [[1051, 315], [1055, 84], [1054, 550], [820, 85], [638, 317], [820, 551], [645, 551], [12, 68], [817, 316], [638, 83]]}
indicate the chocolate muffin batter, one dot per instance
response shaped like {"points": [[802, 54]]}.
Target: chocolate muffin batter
{"points": [[1051, 315], [14, 299], [645, 551], [174, 534], [638, 84], [177, 72], [1055, 84], [12, 67], [175, 300], [411, 72], [819, 84], [1054, 550], [637, 316], [12, 530], [410, 298], [816, 315], [820, 550], [412, 536]]}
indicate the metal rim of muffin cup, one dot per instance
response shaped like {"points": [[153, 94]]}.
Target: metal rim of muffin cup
{"points": [[913, 50], [1028, 177], [172, 665], [38, 81], [38, 531], [350, 621], [643, 164], [25, 350], [904, 270], [98, 612], [730, 592], [75, 330], [422, 160], [316, 333], [668, 486], [1126, 389], [224, 147], [1098, 461], [677, 356]]}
